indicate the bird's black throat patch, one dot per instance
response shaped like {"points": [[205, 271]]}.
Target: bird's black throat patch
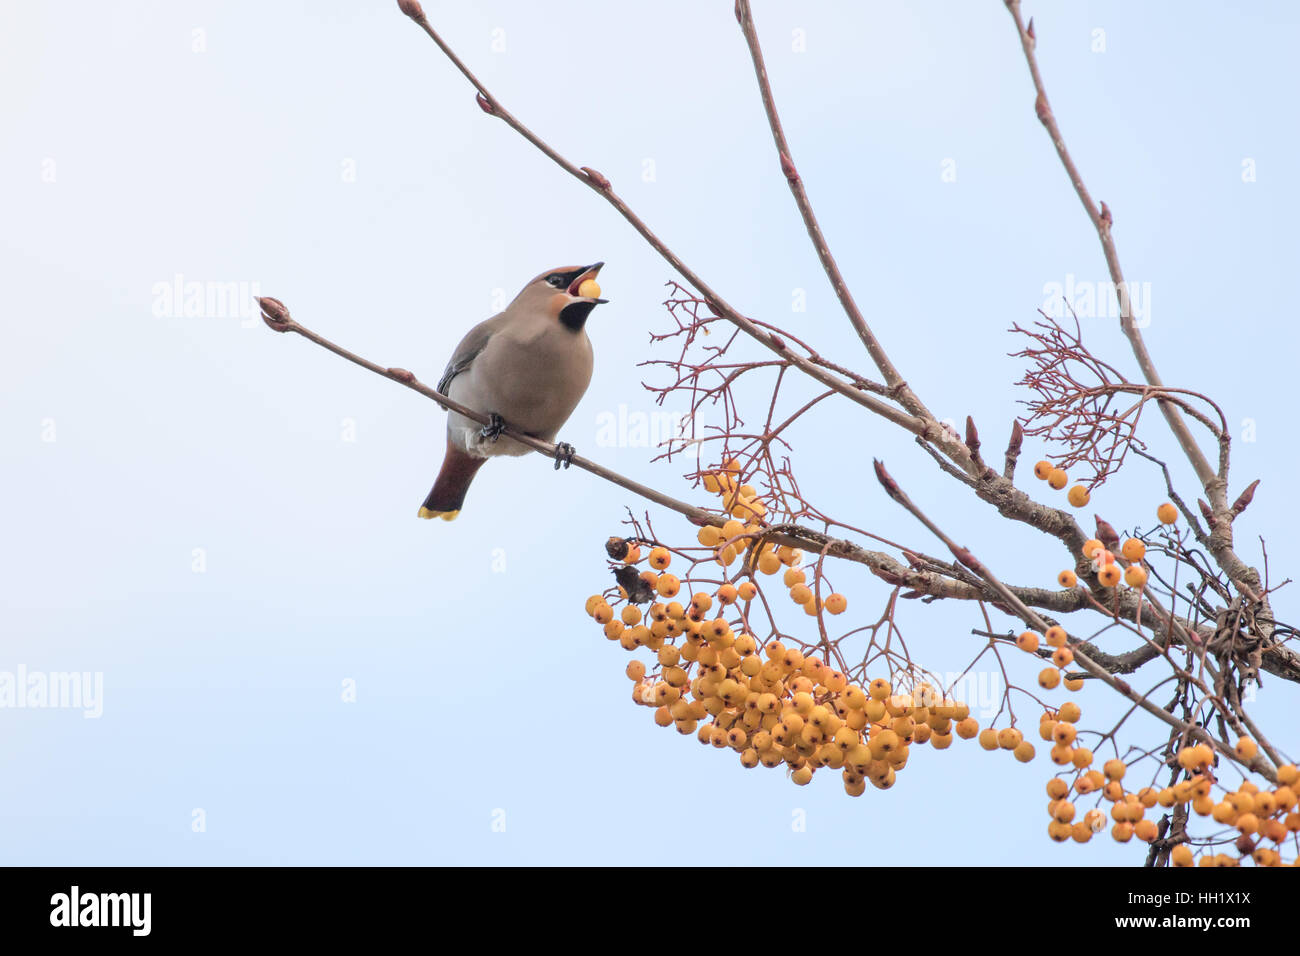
{"points": [[574, 315]]}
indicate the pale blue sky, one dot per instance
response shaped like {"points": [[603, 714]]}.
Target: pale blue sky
{"points": [[328, 154]]}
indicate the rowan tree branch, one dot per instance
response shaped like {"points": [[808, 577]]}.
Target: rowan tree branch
{"points": [[1102, 221], [1258, 764], [918, 582], [601, 186], [906, 397], [1245, 577]]}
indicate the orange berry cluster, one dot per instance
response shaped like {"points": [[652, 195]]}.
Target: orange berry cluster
{"points": [[1055, 637], [1258, 816], [1057, 479], [730, 541], [1109, 573], [773, 705]]}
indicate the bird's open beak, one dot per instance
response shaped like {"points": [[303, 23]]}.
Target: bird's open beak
{"points": [[582, 276]]}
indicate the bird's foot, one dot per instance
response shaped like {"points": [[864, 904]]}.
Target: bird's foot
{"points": [[496, 425], [564, 453]]}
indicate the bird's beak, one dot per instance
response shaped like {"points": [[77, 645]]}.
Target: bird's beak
{"points": [[590, 272]]}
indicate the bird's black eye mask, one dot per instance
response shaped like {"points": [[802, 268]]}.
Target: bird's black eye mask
{"points": [[568, 281], [574, 315]]}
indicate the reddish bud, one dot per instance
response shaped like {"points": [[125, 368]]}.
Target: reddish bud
{"points": [[1017, 439], [411, 8], [778, 343], [1029, 32], [1106, 217], [787, 167], [1105, 533], [1244, 499], [596, 178], [889, 577], [890, 486], [274, 313], [1042, 109], [485, 104], [972, 436], [1206, 513], [965, 557], [401, 375]]}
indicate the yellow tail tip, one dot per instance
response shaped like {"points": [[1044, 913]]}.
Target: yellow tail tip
{"points": [[444, 515]]}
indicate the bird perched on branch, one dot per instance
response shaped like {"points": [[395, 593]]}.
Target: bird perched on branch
{"points": [[527, 368]]}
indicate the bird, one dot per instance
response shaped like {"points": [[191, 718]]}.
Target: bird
{"points": [[527, 367]]}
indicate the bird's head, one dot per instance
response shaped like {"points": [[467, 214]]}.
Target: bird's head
{"points": [[560, 292]]}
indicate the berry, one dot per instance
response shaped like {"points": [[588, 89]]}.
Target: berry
{"points": [[668, 585], [1063, 733], [1009, 738], [1133, 549]]}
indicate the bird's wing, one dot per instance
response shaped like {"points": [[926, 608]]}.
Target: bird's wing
{"points": [[469, 349]]}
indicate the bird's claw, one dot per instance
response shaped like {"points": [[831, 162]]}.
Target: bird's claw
{"points": [[564, 453], [496, 425]]}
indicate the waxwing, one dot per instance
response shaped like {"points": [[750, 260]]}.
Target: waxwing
{"points": [[526, 367]]}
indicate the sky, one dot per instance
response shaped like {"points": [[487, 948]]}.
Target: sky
{"points": [[217, 524]]}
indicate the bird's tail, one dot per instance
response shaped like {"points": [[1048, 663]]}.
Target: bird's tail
{"points": [[448, 493]]}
